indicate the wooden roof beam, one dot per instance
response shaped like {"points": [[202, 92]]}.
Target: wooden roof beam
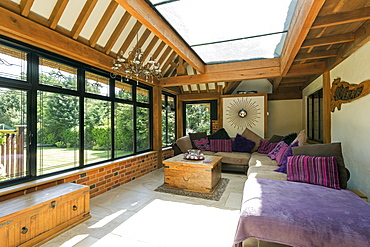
{"points": [[362, 36], [304, 16], [316, 55], [329, 40], [117, 32], [149, 18], [103, 23], [27, 31], [26, 7], [82, 18], [362, 14]]}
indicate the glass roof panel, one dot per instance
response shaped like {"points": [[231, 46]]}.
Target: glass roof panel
{"points": [[241, 29]]}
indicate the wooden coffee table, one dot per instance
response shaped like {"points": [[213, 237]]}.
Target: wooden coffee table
{"points": [[193, 175]]}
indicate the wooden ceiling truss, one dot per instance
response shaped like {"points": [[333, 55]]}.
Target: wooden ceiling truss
{"points": [[322, 34]]}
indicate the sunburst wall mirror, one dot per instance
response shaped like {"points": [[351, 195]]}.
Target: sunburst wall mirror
{"points": [[243, 112]]}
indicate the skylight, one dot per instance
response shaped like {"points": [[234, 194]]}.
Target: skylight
{"points": [[230, 30]]}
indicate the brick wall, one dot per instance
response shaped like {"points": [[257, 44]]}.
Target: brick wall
{"points": [[214, 126], [102, 178], [167, 153]]}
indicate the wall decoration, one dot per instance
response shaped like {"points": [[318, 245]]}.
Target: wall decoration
{"points": [[243, 112], [343, 92]]}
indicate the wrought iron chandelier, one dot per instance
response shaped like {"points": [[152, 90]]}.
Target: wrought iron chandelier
{"points": [[135, 66]]}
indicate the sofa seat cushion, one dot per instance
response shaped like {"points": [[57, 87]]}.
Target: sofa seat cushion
{"points": [[208, 152], [235, 158], [265, 172], [258, 159]]}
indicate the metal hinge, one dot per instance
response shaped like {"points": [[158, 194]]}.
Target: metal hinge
{"points": [[6, 223], [166, 167], [208, 170], [208, 188], [87, 191], [165, 183]]}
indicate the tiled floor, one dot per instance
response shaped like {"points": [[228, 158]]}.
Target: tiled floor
{"points": [[134, 215]]}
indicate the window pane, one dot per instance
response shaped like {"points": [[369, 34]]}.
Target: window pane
{"points": [[142, 95], [171, 102], [171, 127], [124, 129], [198, 118], [13, 63], [123, 90], [143, 129], [164, 128], [13, 130], [96, 84], [57, 133], [97, 127], [56, 74]]}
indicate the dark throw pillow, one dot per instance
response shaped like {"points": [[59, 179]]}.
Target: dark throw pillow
{"points": [[288, 139], [242, 144], [221, 145], [276, 138], [266, 147], [196, 136], [220, 134], [202, 144]]}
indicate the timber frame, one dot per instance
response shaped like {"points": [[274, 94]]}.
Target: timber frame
{"points": [[322, 34]]}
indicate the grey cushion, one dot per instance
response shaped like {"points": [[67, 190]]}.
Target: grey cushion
{"points": [[262, 159], [234, 158], [326, 150]]}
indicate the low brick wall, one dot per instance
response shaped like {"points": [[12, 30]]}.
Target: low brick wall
{"points": [[100, 179]]}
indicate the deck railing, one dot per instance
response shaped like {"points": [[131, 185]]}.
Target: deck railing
{"points": [[12, 153]]}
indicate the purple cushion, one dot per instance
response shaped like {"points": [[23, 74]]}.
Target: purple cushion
{"points": [[266, 147], [314, 170], [221, 145], [280, 154], [276, 150], [284, 159], [242, 144], [202, 144]]}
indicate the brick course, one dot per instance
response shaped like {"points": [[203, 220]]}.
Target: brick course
{"points": [[102, 179]]}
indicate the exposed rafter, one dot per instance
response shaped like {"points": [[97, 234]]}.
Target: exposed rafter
{"points": [[147, 16]]}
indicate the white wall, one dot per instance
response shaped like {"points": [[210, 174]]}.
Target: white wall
{"points": [[351, 125], [285, 117]]}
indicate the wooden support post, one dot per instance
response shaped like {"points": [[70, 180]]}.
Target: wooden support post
{"points": [[179, 118], [157, 123], [326, 107]]}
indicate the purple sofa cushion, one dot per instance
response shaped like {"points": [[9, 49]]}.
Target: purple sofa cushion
{"points": [[313, 170]]}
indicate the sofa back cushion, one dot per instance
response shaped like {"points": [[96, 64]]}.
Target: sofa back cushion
{"points": [[326, 150], [184, 143], [313, 170], [250, 135]]}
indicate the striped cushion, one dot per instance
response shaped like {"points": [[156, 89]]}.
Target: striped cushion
{"points": [[221, 145], [266, 147], [314, 170]]}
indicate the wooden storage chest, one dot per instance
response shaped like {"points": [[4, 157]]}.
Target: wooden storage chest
{"points": [[35, 218], [193, 175]]}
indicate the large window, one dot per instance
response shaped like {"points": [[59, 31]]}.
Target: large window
{"points": [[315, 116], [60, 114], [168, 120]]}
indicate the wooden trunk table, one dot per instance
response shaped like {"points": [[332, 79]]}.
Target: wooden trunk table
{"points": [[193, 175]]}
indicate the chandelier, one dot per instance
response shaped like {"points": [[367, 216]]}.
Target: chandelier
{"points": [[134, 66]]}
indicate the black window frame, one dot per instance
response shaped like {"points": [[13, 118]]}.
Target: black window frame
{"points": [[166, 95], [315, 131], [32, 86]]}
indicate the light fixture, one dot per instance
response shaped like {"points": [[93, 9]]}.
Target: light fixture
{"points": [[135, 67]]}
